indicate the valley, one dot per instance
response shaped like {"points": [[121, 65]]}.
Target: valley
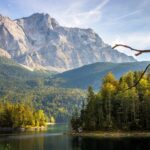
{"points": [[58, 94]]}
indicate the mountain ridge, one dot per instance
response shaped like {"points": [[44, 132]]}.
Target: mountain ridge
{"points": [[39, 42], [92, 75]]}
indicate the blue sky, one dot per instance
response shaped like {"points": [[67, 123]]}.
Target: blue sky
{"points": [[116, 21]]}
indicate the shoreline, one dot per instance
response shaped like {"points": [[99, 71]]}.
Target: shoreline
{"points": [[113, 134], [50, 123], [28, 128], [22, 129]]}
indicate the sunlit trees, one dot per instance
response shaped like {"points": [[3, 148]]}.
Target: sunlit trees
{"points": [[108, 91], [40, 118], [6, 116], [20, 115], [115, 107]]}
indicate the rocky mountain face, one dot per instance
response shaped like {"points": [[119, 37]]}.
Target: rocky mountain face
{"points": [[39, 42]]}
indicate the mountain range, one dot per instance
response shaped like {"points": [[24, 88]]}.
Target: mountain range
{"points": [[50, 66], [38, 42]]}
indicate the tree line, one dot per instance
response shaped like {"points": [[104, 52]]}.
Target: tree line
{"points": [[16, 115], [115, 106]]}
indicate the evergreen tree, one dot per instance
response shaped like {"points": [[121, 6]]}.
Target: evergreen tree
{"points": [[116, 106]]}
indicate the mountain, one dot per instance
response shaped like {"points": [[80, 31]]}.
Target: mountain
{"points": [[39, 42], [93, 74]]}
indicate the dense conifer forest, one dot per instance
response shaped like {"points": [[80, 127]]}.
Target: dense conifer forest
{"points": [[116, 106]]}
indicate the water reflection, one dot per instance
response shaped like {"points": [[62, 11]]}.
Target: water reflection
{"points": [[110, 144], [54, 139]]}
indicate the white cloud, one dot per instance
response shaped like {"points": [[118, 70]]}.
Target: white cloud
{"points": [[71, 13], [127, 15], [75, 17]]}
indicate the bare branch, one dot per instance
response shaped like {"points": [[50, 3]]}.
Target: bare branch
{"points": [[139, 52]]}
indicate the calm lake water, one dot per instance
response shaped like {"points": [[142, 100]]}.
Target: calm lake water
{"points": [[54, 139]]}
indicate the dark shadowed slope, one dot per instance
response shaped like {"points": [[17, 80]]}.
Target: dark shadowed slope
{"points": [[93, 74]]}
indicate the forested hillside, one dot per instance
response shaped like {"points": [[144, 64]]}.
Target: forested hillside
{"points": [[18, 84], [15, 77], [58, 103], [93, 74], [117, 106]]}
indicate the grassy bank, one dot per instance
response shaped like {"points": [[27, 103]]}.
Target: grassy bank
{"points": [[113, 134]]}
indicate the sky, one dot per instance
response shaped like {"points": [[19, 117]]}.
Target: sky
{"points": [[116, 21]]}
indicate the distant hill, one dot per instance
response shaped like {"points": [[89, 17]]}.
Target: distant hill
{"points": [[16, 77], [18, 84], [93, 74]]}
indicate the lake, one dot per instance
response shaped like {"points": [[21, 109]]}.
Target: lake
{"points": [[54, 139]]}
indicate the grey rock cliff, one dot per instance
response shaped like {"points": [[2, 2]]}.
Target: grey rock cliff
{"points": [[39, 42]]}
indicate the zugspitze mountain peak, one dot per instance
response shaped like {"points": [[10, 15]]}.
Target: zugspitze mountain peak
{"points": [[39, 42]]}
